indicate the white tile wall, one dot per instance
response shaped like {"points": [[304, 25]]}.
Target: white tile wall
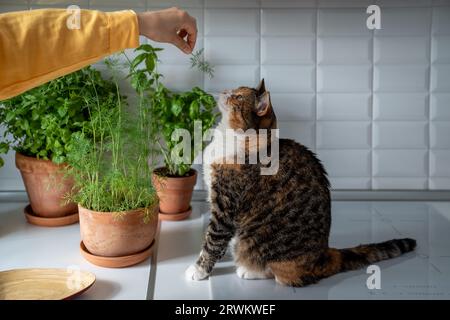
{"points": [[439, 177], [374, 105]]}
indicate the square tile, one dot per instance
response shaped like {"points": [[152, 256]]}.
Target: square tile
{"points": [[337, 162], [400, 163], [405, 22], [440, 109], [350, 233], [344, 3], [293, 106], [439, 183], [115, 3], [344, 78], [288, 3], [342, 22], [302, 132], [441, 20], [403, 3], [344, 50], [171, 54], [231, 22], [402, 50], [4, 8], [441, 49], [400, 135], [352, 210], [288, 50], [81, 3], [402, 210], [440, 77], [440, 133], [290, 79], [400, 106], [396, 78], [180, 77], [232, 76], [17, 2], [352, 183], [399, 183], [437, 3], [288, 22], [440, 163], [231, 4], [183, 4], [232, 50], [343, 106], [343, 135]]}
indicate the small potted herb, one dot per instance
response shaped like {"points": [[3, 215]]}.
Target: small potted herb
{"points": [[40, 125], [110, 169], [174, 182]]}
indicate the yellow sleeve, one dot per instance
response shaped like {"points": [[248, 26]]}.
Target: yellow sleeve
{"points": [[37, 46]]}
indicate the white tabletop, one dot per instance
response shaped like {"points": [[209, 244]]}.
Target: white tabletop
{"points": [[23, 245], [422, 274]]}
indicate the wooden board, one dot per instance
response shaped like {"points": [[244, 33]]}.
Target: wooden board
{"points": [[44, 284]]}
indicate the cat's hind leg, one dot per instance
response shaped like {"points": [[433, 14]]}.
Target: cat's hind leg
{"points": [[306, 269], [252, 274]]}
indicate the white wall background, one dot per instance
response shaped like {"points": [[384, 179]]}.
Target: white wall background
{"points": [[374, 105]]}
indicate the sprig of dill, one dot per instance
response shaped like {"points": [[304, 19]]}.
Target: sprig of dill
{"points": [[198, 62]]}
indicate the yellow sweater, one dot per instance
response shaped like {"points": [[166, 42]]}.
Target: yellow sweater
{"points": [[37, 46]]}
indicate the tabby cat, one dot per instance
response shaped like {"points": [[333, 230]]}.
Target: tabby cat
{"points": [[280, 223]]}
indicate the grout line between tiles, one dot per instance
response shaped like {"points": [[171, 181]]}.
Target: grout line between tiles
{"points": [[260, 39], [203, 39], [316, 80], [372, 104], [430, 45], [430, 48]]}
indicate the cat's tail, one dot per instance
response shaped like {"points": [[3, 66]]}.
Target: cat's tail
{"points": [[366, 254], [306, 270]]}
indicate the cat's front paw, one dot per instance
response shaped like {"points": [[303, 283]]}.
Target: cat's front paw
{"points": [[195, 272]]}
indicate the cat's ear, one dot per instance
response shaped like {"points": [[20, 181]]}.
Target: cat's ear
{"points": [[263, 105], [261, 88]]}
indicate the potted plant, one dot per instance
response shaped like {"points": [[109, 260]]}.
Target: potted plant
{"points": [[40, 125], [110, 169], [174, 182]]}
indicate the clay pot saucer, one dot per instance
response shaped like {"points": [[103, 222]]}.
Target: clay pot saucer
{"points": [[117, 262], [175, 216], [49, 222]]}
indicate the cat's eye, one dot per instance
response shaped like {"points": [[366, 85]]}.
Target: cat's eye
{"points": [[239, 97]]}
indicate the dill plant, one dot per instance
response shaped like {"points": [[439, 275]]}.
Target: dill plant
{"points": [[171, 110], [110, 161]]}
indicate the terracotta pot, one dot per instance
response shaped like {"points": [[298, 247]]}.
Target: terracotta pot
{"points": [[175, 193], [116, 234], [46, 187]]}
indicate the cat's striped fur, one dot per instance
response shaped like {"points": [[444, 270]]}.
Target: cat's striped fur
{"points": [[281, 222]]}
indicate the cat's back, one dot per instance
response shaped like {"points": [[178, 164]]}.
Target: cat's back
{"points": [[296, 159], [293, 167]]}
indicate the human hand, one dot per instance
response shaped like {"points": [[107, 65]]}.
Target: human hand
{"points": [[170, 25]]}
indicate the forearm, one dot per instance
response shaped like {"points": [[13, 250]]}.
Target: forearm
{"points": [[217, 237], [37, 46]]}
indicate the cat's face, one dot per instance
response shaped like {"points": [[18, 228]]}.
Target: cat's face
{"points": [[247, 108]]}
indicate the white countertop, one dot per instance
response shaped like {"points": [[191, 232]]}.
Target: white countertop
{"points": [[23, 245], [423, 274]]}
